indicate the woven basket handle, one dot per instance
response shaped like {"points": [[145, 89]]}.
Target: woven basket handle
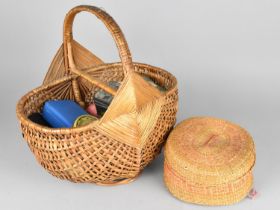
{"points": [[116, 33]]}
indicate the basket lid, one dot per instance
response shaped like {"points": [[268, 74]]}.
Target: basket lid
{"points": [[210, 150]]}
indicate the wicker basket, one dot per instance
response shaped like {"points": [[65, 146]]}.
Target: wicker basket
{"points": [[117, 147], [209, 161]]}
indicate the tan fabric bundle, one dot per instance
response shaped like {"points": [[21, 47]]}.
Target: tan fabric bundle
{"points": [[209, 161]]}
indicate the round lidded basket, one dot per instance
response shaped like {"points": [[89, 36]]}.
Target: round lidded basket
{"points": [[115, 148], [209, 161]]}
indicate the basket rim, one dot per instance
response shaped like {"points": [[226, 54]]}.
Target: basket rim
{"points": [[22, 100], [136, 64], [182, 178]]}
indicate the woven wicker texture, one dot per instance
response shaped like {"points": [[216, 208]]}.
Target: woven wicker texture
{"points": [[131, 133], [209, 161], [83, 59]]}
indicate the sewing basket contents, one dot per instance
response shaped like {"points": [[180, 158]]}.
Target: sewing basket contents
{"points": [[209, 161], [116, 135]]}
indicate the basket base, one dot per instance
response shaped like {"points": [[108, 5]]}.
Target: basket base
{"points": [[118, 182]]}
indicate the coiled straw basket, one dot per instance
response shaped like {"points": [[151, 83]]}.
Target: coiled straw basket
{"points": [[118, 146], [209, 161]]}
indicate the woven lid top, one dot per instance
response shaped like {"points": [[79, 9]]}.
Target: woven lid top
{"points": [[209, 147]]}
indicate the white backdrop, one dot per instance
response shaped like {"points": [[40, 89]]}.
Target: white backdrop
{"points": [[225, 54]]}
